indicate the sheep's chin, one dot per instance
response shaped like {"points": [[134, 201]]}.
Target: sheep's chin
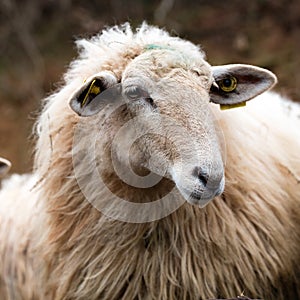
{"points": [[201, 197]]}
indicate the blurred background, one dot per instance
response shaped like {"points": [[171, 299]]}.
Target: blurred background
{"points": [[37, 44]]}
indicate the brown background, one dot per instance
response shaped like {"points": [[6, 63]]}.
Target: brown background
{"points": [[37, 43]]}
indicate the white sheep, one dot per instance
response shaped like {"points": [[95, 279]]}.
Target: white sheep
{"points": [[141, 106], [5, 166]]}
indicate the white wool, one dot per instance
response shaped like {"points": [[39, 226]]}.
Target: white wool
{"points": [[51, 250]]}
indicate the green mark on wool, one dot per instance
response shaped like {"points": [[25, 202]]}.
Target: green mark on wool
{"points": [[178, 56], [157, 47]]}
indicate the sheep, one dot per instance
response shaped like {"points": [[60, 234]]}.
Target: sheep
{"points": [[5, 166], [144, 189]]}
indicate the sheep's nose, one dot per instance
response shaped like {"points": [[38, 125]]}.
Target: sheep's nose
{"points": [[209, 182], [202, 175], [198, 185]]}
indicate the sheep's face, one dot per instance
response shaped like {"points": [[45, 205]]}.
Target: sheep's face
{"points": [[157, 123], [168, 95]]}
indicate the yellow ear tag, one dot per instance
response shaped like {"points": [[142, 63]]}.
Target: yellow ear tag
{"points": [[229, 106], [93, 89]]}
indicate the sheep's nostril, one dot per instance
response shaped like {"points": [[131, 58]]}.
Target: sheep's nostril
{"points": [[201, 174], [203, 179]]}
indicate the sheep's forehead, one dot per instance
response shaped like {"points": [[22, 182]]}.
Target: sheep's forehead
{"points": [[163, 61]]}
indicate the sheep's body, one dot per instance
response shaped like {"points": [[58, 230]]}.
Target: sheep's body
{"points": [[59, 246], [20, 225]]}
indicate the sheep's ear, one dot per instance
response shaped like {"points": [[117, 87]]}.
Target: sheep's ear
{"points": [[238, 83], [5, 165], [96, 92]]}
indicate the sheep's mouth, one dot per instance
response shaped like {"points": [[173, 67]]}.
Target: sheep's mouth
{"points": [[202, 196], [197, 197]]}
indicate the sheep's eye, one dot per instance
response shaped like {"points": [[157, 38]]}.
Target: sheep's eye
{"points": [[135, 93], [227, 84]]}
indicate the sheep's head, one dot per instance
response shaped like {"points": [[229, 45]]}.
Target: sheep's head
{"points": [[5, 165], [157, 123]]}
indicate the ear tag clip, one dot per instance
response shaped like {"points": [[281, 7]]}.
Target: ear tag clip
{"points": [[93, 89], [229, 106]]}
